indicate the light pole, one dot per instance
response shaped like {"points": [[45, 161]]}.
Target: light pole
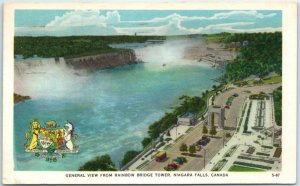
{"points": [[223, 136], [204, 155], [176, 131]]}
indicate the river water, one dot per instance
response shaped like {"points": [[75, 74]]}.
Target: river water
{"points": [[111, 109]]}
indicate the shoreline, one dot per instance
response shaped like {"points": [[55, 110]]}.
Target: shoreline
{"points": [[212, 53], [206, 95], [18, 98], [200, 122]]}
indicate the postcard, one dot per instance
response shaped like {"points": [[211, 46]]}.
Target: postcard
{"points": [[149, 93]]}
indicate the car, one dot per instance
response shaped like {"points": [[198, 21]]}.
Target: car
{"points": [[235, 95], [226, 106]]}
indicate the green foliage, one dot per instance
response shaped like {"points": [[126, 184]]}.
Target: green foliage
{"points": [[188, 104], [146, 141], [99, 163], [227, 135], [277, 96], [183, 147], [160, 145], [212, 119], [168, 133], [247, 119], [213, 130], [204, 130], [192, 149], [70, 46], [262, 56], [260, 96], [19, 98], [129, 155]]}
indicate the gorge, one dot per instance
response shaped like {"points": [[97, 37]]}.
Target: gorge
{"points": [[110, 108]]}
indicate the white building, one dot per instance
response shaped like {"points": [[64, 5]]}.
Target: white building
{"points": [[187, 119]]}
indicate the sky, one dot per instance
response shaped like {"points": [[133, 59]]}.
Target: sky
{"points": [[143, 22]]}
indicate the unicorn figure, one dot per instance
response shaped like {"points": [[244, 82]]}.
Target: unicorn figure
{"points": [[68, 135]]}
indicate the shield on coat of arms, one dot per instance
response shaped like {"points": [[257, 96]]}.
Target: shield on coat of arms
{"points": [[45, 142]]}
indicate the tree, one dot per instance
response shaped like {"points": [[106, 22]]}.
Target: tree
{"points": [[183, 147], [261, 56], [168, 133], [192, 149], [227, 135], [99, 163], [212, 130], [129, 155], [204, 130], [146, 141], [277, 96]]}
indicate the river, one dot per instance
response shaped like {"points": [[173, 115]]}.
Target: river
{"points": [[111, 109]]}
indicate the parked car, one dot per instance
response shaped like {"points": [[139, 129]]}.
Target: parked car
{"points": [[203, 141], [160, 156], [235, 95], [179, 161], [173, 165]]}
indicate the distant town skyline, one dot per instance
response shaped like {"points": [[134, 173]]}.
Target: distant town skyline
{"points": [[143, 22]]}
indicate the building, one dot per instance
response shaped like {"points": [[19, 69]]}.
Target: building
{"points": [[187, 119]]}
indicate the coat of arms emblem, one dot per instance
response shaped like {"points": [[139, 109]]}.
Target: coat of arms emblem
{"points": [[51, 141]]}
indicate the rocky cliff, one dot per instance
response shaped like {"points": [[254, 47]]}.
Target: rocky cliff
{"points": [[102, 61]]}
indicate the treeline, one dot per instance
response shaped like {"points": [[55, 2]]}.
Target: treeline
{"points": [[48, 46], [99, 163], [262, 55], [188, 105], [277, 95], [195, 105]]}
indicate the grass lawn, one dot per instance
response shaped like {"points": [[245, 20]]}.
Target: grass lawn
{"points": [[142, 165], [274, 79], [236, 168], [168, 146]]}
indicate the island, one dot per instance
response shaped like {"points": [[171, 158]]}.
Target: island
{"points": [[19, 98]]}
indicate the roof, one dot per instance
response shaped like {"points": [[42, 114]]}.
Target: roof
{"points": [[160, 153], [187, 115]]}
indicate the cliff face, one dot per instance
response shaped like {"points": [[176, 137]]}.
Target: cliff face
{"points": [[102, 61]]}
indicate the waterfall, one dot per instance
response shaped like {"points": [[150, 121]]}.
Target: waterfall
{"points": [[170, 51], [40, 77]]}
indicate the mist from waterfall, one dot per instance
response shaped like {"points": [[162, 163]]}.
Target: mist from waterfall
{"points": [[111, 109], [171, 51], [46, 77]]}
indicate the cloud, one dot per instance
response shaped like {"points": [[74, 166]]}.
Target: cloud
{"points": [[94, 22], [85, 18], [218, 16], [242, 14], [176, 29]]}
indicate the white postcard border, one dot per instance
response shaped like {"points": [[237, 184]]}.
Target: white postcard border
{"points": [[289, 106]]}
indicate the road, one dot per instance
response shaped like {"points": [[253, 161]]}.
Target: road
{"points": [[216, 143]]}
